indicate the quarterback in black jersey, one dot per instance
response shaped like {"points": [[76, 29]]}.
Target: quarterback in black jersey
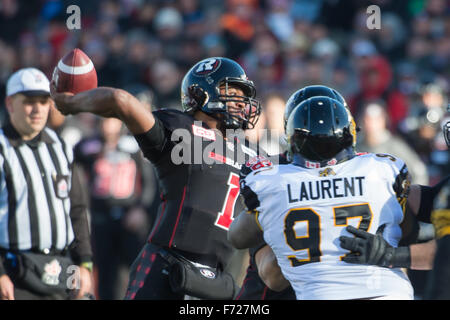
{"points": [[197, 164]]}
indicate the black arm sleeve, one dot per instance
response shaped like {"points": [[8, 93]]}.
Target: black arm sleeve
{"points": [[80, 249], [153, 142]]}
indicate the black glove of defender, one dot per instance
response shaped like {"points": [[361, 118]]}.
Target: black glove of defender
{"points": [[372, 249]]}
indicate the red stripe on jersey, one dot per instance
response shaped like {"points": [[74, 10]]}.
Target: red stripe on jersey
{"points": [[159, 220], [178, 217], [264, 293], [242, 290], [217, 157]]}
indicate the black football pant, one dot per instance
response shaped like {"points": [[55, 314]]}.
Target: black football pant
{"points": [[149, 277]]}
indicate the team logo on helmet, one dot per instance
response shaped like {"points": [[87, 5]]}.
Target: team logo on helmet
{"points": [[206, 67]]}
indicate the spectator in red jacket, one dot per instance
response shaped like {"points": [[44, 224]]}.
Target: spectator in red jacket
{"points": [[375, 77]]}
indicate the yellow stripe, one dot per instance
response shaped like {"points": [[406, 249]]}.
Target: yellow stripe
{"points": [[441, 222], [402, 202], [256, 213], [443, 232]]}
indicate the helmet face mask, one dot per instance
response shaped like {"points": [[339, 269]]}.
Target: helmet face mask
{"points": [[207, 86], [319, 128]]}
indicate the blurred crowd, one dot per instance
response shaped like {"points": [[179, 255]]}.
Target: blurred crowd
{"points": [[395, 79], [146, 47]]}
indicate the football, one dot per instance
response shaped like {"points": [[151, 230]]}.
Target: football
{"points": [[75, 73]]}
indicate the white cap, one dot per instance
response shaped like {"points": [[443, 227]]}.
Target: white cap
{"points": [[29, 81]]}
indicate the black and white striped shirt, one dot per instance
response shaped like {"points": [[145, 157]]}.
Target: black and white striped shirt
{"points": [[35, 181]]}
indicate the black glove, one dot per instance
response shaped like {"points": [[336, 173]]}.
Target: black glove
{"points": [[372, 249]]}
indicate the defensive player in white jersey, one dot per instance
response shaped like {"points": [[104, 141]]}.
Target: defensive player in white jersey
{"points": [[303, 208]]}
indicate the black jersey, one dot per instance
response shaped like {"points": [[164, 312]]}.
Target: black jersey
{"points": [[198, 172]]}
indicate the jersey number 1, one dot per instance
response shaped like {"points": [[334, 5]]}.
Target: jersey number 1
{"points": [[225, 216]]}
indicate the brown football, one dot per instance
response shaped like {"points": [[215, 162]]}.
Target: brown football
{"points": [[75, 73]]}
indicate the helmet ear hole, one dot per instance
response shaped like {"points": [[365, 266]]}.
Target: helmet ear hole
{"points": [[197, 97]]}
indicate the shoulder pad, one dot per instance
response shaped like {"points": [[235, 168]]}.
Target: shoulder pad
{"points": [[397, 163], [256, 163]]}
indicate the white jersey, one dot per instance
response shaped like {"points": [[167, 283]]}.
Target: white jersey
{"points": [[303, 212]]}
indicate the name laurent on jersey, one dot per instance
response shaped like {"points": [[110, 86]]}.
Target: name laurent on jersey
{"points": [[325, 189]]}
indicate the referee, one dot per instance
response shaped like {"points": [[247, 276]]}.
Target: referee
{"points": [[45, 250]]}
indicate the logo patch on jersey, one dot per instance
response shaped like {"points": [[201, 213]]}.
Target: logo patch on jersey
{"points": [[332, 162], [207, 273], [61, 185], [326, 172], [51, 273], [310, 164], [206, 67], [204, 133], [258, 162]]}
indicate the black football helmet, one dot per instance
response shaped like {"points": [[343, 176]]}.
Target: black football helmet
{"points": [[319, 128], [308, 92], [313, 91], [200, 90]]}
